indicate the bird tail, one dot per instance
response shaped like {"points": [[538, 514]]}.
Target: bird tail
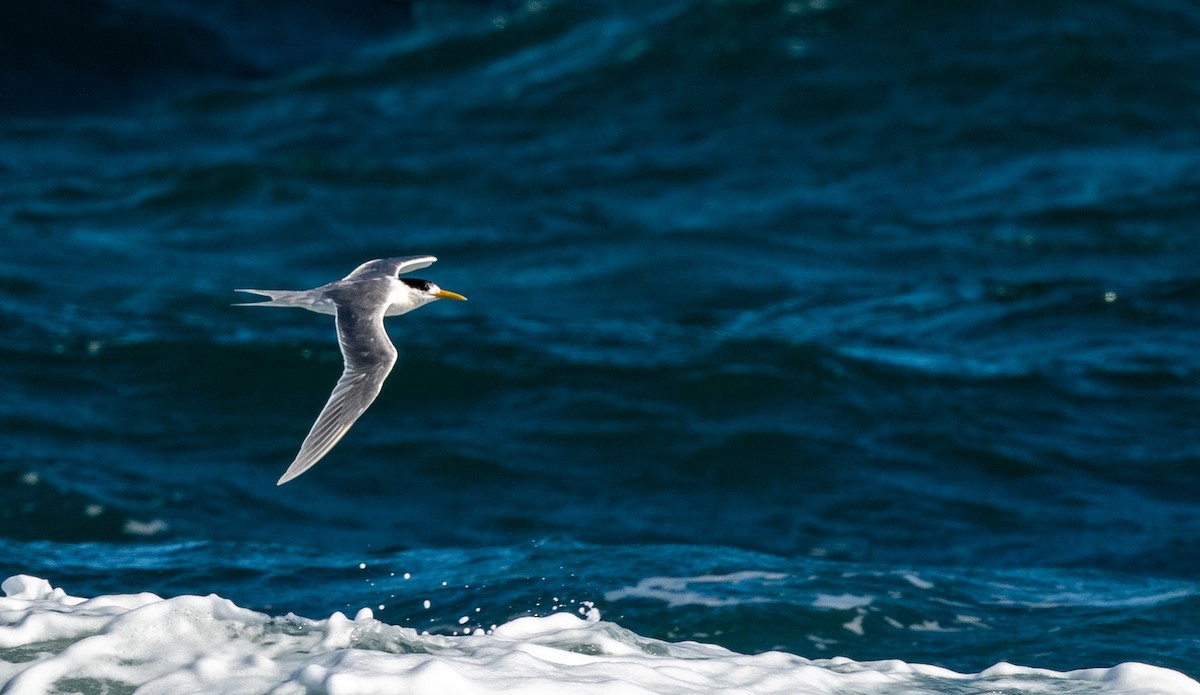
{"points": [[296, 298]]}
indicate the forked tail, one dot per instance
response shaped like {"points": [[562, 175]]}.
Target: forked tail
{"points": [[297, 298]]}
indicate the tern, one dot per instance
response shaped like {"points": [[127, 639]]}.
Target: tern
{"points": [[359, 302]]}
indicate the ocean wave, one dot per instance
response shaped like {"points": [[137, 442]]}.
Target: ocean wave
{"points": [[60, 53], [846, 280], [52, 641]]}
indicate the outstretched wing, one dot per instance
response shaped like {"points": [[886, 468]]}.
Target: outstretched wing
{"points": [[369, 356], [394, 267]]}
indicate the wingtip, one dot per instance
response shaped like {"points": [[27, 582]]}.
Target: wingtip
{"points": [[291, 474]]}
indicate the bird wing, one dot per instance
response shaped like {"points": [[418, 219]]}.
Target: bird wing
{"points": [[369, 356], [394, 267]]}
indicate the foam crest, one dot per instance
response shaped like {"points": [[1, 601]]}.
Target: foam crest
{"points": [[54, 642]]}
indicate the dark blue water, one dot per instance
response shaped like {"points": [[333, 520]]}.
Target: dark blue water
{"points": [[847, 292]]}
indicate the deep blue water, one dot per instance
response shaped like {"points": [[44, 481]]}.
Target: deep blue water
{"points": [[891, 299]]}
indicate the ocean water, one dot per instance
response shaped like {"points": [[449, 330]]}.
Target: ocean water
{"points": [[812, 347]]}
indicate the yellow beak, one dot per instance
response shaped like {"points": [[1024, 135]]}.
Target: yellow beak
{"points": [[447, 294]]}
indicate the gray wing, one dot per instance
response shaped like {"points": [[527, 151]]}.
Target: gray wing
{"points": [[369, 356], [394, 267]]}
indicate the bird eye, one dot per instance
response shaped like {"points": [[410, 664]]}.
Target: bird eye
{"points": [[420, 285]]}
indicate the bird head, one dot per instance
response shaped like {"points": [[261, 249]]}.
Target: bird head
{"points": [[426, 291]]}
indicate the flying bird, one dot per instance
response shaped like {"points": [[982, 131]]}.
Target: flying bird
{"points": [[359, 302]]}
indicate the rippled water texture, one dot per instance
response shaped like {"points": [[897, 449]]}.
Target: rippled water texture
{"points": [[871, 295]]}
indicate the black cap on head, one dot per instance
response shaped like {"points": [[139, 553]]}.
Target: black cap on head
{"points": [[418, 284]]}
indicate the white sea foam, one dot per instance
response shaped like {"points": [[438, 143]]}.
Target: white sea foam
{"points": [[53, 642], [843, 602], [681, 591]]}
